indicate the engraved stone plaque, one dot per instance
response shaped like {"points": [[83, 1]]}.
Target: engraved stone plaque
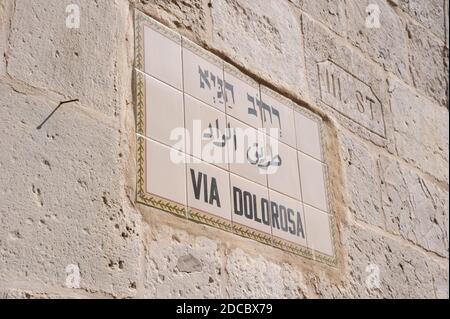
{"points": [[350, 96]]}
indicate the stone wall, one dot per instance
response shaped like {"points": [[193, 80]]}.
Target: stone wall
{"points": [[67, 185]]}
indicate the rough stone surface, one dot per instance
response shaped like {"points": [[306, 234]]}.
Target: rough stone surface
{"points": [[264, 36], [403, 272], [189, 17], [61, 201], [6, 7], [332, 13], [322, 45], [252, 277], [431, 14], [416, 122], [178, 265], [428, 61], [75, 63], [364, 184], [385, 44], [415, 208], [67, 184]]}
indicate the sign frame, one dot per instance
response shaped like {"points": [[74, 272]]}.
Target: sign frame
{"points": [[196, 215]]}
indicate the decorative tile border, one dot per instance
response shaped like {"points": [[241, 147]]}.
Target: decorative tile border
{"points": [[188, 44], [292, 248], [140, 102], [150, 199], [251, 233], [329, 260], [209, 219]]}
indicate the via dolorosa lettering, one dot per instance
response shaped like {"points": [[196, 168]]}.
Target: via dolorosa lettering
{"points": [[205, 190]]}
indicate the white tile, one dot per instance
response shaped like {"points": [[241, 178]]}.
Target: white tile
{"points": [[242, 97], [250, 204], [164, 177], [163, 56], [308, 135], [208, 144], [287, 219], [318, 230], [285, 177], [312, 177], [278, 114], [244, 143], [163, 110], [208, 189], [203, 75]]}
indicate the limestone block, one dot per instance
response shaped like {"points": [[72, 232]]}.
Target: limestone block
{"points": [[6, 7], [440, 281], [187, 16], [421, 130], [180, 265], [74, 62], [253, 277], [264, 36], [61, 199], [332, 13], [447, 22], [347, 85], [415, 208], [362, 180], [403, 272], [295, 284], [431, 14], [428, 59], [383, 41]]}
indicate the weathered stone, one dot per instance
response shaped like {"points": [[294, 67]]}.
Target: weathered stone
{"points": [[321, 46], [168, 277], [189, 263], [76, 63], [264, 36], [447, 22], [403, 272], [295, 285], [415, 209], [67, 184], [362, 180], [440, 281], [383, 42], [252, 277], [6, 7], [420, 130], [62, 199], [332, 13], [54, 294], [187, 16], [431, 14], [428, 59]]}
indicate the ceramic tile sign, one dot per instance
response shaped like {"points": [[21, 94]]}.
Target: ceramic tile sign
{"points": [[215, 147]]}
